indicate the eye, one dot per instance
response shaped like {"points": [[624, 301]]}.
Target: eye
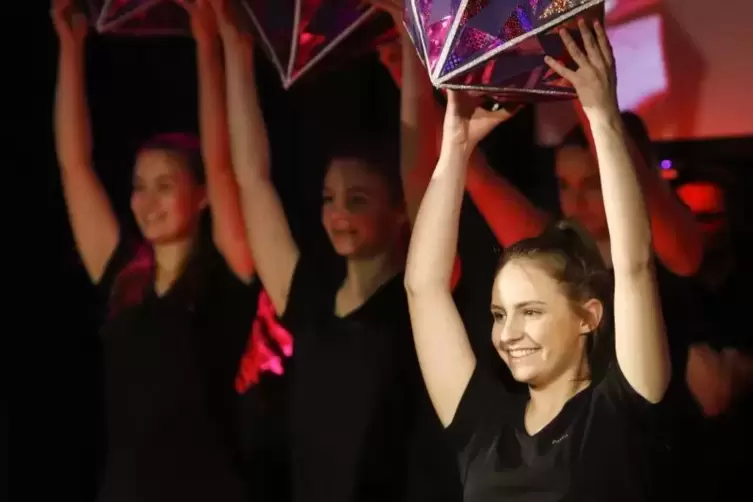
{"points": [[164, 186], [498, 316], [531, 313], [327, 199], [358, 200]]}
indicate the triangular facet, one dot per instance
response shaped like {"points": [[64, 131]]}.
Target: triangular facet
{"points": [[376, 29], [322, 22], [273, 25], [116, 12], [436, 20], [163, 18], [486, 29]]}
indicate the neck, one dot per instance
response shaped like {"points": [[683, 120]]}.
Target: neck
{"points": [[366, 276], [549, 399], [170, 258]]}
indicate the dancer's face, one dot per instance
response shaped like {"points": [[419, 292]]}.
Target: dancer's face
{"points": [[580, 189], [359, 213], [166, 200], [536, 331]]}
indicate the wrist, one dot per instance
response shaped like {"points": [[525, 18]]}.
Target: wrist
{"points": [[604, 116], [71, 49], [455, 150]]}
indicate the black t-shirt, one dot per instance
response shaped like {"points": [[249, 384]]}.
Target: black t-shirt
{"points": [[169, 366], [362, 426], [600, 447]]}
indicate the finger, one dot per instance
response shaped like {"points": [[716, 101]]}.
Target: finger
{"points": [[589, 42], [560, 69], [573, 49], [453, 97], [604, 46]]}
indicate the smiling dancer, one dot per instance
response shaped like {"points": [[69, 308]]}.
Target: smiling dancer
{"points": [[179, 307], [583, 431]]}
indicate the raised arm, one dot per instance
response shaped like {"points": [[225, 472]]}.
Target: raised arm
{"points": [[677, 239], [444, 353], [228, 229], [95, 227], [640, 339], [273, 248], [509, 214]]}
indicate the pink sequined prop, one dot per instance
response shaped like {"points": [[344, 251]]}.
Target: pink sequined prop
{"points": [[297, 34], [496, 47], [259, 357]]}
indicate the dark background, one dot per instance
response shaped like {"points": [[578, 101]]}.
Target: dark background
{"points": [[138, 87]]}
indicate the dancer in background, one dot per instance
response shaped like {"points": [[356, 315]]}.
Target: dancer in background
{"points": [[178, 310], [583, 430], [357, 399]]}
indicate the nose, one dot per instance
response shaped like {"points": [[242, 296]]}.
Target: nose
{"points": [[510, 332]]}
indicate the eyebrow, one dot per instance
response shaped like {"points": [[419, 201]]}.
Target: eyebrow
{"points": [[354, 189], [530, 303]]}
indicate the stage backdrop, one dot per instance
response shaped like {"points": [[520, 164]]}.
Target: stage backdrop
{"points": [[683, 65]]}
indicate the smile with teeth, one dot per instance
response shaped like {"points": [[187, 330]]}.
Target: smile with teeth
{"points": [[152, 217], [520, 353]]}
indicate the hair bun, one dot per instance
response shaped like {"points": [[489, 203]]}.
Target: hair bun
{"points": [[578, 242]]}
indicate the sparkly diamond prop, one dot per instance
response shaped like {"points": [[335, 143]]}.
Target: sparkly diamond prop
{"points": [[496, 47], [297, 34], [139, 17]]}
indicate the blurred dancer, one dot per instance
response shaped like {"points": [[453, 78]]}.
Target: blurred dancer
{"points": [[584, 429], [357, 400], [178, 309]]}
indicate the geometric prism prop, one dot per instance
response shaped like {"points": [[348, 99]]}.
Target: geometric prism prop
{"points": [[139, 17], [497, 47], [297, 34]]}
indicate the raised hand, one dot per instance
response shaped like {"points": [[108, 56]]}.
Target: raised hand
{"points": [[203, 21], [595, 80], [70, 24], [465, 123]]}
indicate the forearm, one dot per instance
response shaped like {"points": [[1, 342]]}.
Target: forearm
{"points": [[420, 117], [435, 234], [627, 216], [72, 129], [248, 134], [222, 190], [509, 214]]}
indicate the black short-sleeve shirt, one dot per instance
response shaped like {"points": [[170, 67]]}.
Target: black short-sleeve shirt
{"points": [[362, 426], [169, 365], [601, 446]]}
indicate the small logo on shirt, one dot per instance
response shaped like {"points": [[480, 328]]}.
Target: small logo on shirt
{"points": [[560, 439]]}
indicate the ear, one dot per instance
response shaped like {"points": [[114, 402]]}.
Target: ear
{"points": [[594, 311]]}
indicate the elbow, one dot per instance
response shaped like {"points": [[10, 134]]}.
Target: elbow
{"points": [[418, 283]]}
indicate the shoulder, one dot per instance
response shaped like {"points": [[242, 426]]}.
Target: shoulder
{"points": [[484, 408], [615, 395]]}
